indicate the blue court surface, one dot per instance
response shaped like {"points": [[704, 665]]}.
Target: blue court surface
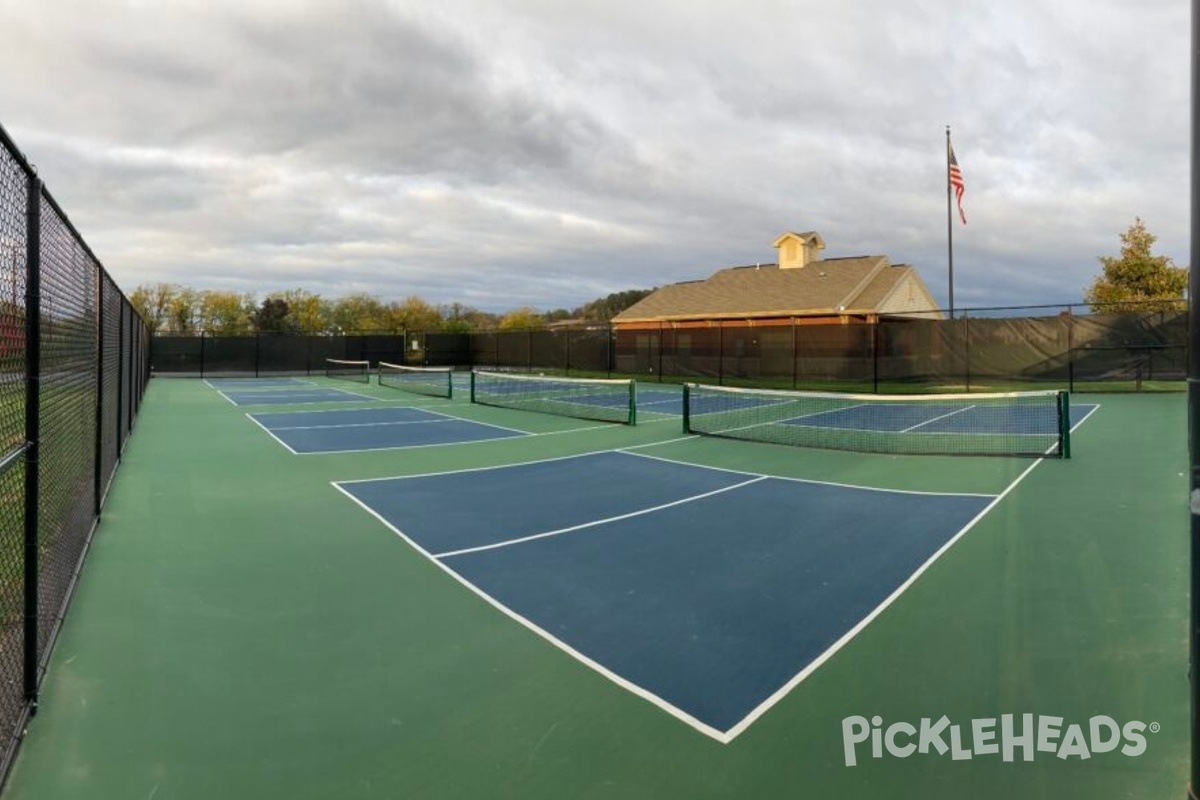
{"points": [[354, 430], [939, 418], [706, 591], [659, 401], [295, 397], [251, 384]]}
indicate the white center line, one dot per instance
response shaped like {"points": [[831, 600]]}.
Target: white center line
{"points": [[594, 523]]}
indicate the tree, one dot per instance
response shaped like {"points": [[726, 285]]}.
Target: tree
{"points": [[1136, 276], [181, 312], [415, 314], [226, 313], [522, 319], [310, 313], [153, 303], [607, 307], [458, 318], [360, 313], [272, 316]]}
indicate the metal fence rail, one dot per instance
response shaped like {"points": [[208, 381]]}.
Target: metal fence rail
{"points": [[74, 362]]}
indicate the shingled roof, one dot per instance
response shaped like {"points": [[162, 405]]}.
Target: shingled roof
{"points": [[825, 287]]}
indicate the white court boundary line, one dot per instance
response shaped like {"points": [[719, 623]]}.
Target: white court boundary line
{"points": [[935, 419], [724, 737], [626, 452], [365, 424], [816, 482], [721, 736], [639, 513], [261, 387], [448, 418], [625, 684], [365, 397]]}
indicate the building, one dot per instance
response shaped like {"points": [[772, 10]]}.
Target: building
{"points": [[803, 287], [748, 312]]}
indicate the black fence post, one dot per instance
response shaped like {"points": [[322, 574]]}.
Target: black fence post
{"points": [[794, 375], [608, 348], [120, 383], [98, 482], [967, 348], [875, 355], [201, 354], [720, 353], [1070, 352], [660, 350], [33, 399]]}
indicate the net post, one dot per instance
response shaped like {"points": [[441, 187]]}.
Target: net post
{"points": [[450, 385], [687, 406], [633, 402], [1064, 424], [472, 386]]}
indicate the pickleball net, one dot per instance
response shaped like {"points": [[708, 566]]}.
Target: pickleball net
{"points": [[1035, 424], [343, 369], [583, 398], [432, 381]]}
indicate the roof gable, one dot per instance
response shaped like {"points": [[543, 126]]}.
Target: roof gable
{"points": [[828, 286]]}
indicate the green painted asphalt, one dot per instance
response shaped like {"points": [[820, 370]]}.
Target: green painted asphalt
{"points": [[242, 630]]}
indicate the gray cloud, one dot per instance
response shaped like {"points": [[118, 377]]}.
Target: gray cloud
{"points": [[511, 153]]}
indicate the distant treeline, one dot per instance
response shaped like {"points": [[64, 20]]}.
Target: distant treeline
{"points": [[169, 308]]}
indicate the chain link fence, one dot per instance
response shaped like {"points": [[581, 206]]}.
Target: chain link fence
{"points": [[73, 368], [978, 350]]}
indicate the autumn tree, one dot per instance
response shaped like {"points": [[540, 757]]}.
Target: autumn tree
{"points": [[1136, 276], [415, 314], [182, 312], [525, 318], [360, 313], [310, 313], [459, 318], [226, 313], [153, 303]]}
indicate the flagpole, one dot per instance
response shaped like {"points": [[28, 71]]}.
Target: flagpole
{"points": [[949, 226]]}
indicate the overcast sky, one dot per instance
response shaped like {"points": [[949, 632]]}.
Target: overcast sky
{"points": [[501, 153]]}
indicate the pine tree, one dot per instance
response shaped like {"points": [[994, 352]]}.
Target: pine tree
{"points": [[1136, 277]]}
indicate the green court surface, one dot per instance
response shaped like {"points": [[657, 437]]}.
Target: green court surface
{"points": [[242, 630]]}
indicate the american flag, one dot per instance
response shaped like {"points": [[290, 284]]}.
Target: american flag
{"points": [[956, 181]]}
